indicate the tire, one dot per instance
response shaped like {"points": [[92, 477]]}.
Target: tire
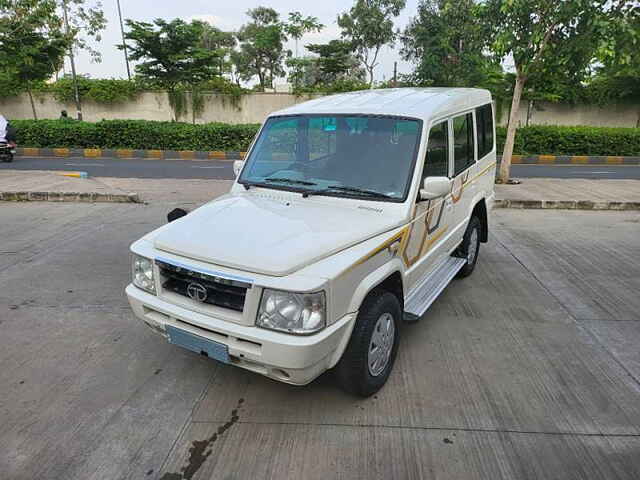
{"points": [[379, 314], [467, 249]]}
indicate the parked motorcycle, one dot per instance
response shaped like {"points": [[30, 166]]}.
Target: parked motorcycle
{"points": [[7, 151]]}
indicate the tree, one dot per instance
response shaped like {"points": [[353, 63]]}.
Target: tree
{"points": [[336, 61], [85, 23], [219, 42], [261, 50], [334, 69], [618, 74], [369, 26], [82, 22], [446, 41], [303, 72], [542, 35], [33, 43], [172, 55], [298, 25]]}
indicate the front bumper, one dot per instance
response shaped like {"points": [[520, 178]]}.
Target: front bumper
{"points": [[287, 358]]}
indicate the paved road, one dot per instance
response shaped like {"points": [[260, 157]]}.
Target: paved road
{"points": [[132, 168], [530, 368], [224, 169]]}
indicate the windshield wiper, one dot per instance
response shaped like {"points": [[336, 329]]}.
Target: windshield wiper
{"points": [[358, 191], [289, 180]]}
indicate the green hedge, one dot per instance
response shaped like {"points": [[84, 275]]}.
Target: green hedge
{"points": [[553, 140], [136, 134], [140, 134]]}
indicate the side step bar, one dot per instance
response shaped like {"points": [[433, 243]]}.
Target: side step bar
{"points": [[429, 287]]}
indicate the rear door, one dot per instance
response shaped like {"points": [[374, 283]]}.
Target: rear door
{"points": [[464, 161]]}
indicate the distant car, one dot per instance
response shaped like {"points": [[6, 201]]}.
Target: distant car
{"points": [[351, 214]]}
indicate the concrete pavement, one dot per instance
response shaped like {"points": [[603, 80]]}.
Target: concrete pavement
{"points": [[532, 193], [601, 172], [530, 368], [581, 194]]}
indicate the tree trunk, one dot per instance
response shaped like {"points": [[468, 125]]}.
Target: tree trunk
{"points": [[33, 105], [370, 76], [261, 79], [193, 107], [505, 165], [529, 111], [73, 64]]}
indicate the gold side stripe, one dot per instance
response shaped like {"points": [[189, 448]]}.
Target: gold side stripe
{"points": [[398, 236], [404, 238], [433, 239]]}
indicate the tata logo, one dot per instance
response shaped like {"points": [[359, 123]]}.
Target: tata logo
{"points": [[197, 292]]}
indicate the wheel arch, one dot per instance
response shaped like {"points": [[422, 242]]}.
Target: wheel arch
{"points": [[388, 276]]}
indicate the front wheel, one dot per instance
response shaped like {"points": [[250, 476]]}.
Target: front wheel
{"points": [[470, 247], [368, 359]]}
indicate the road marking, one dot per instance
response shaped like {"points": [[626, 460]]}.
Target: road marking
{"points": [[85, 164], [208, 167], [582, 173]]}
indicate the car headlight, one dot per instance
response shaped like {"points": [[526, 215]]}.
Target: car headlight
{"points": [[143, 274], [297, 313]]}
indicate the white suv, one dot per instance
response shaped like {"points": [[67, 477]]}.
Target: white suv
{"points": [[350, 215]]}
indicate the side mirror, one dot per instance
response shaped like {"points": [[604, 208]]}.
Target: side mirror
{"points": [[175, 214], [434, 187], [237, 167]]}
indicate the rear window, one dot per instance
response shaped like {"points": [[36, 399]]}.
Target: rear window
{"points": [[484, 127], [463, 147]]}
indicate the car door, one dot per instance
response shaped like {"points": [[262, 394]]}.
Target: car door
{"points": [[464, 160], [431, 218]]}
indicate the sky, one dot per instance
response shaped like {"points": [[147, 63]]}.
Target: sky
{"points": [[227, 15]]}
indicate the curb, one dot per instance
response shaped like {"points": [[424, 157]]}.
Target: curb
{"points": [[566, 205], [85, 197], [128, 153], [571, 160]]}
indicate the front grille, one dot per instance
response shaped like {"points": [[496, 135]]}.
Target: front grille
{"points": [[202, 287]]}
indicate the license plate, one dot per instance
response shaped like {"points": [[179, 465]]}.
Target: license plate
{"points": [[198, 344]]}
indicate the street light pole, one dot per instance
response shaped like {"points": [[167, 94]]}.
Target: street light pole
{"points": [[73, 63], [124, 43]]}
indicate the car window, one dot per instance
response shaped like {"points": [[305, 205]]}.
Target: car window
{"points": [[336, 154], [463, 153], [484, 129], [436, 162]]}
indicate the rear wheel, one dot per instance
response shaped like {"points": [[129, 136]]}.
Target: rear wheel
{"points": [[368, 359], [470, 247]]}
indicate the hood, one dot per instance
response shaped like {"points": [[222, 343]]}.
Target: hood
{"points": [[269, 234]]}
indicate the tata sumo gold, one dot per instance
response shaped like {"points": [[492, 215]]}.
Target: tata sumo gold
{"points": [[350, 215]]}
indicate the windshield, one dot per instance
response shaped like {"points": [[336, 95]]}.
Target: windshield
{"points": [[367, 157]]}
